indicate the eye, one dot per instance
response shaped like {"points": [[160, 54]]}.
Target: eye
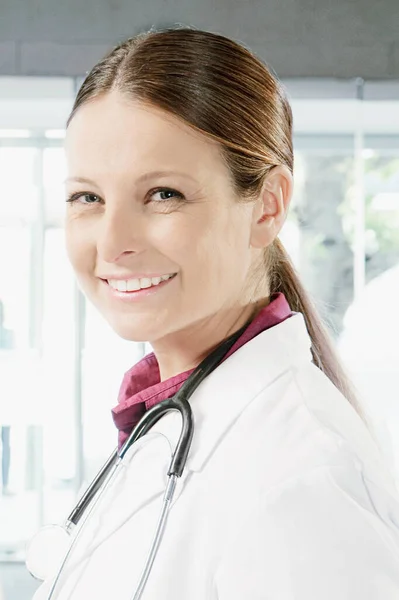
{"points": [[169, 192], [89, 198]]}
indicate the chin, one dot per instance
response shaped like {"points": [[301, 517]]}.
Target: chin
{"points": [[130, 331], [131, 334]]}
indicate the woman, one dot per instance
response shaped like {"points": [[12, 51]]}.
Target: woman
{"points": [[180, 163]]}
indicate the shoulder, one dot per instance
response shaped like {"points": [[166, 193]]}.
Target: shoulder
{"points": [[318, 535], [301, 422], [338, 420]]}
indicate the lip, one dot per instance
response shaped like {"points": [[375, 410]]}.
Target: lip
{"points": [[130, 276], [139, 294]]}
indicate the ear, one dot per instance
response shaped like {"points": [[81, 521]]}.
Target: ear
{"points": [[271, 207]]}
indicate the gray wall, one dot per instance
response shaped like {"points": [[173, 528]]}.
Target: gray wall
{"points": [[298, 38]]}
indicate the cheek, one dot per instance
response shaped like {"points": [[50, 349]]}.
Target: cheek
{"points": [[176, 237], [230, 259], [187, 241], [212, 253]]}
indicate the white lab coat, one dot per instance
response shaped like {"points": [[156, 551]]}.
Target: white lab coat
{"points": [[284, 497]]}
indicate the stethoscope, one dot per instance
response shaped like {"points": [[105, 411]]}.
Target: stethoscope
{"points": [[42, 557]]}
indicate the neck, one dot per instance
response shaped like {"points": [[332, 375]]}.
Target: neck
{"points": [[185, 349]]}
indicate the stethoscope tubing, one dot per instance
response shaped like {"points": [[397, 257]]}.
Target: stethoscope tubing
{"points": [[103, 480], [78, 511], [178, 402], [161, 525]]}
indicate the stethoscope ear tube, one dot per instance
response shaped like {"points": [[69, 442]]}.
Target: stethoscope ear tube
{"points": [[91, 491], [187, 429], [184, 443], [180, 403]]}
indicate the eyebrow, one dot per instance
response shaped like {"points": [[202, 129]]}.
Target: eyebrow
{"points": [[143, 177]]}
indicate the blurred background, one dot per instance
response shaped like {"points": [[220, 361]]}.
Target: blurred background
{"points": [[60, 364]]}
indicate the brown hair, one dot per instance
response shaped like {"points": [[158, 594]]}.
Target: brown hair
{"points": [[224, 91]]}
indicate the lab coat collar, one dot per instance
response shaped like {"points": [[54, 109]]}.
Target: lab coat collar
{"points": [[226, 392]]}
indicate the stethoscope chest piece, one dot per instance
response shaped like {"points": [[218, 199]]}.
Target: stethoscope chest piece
{"points": [[45, 551]]}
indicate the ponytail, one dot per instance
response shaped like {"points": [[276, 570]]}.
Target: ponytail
{"points": [[284, 278]]}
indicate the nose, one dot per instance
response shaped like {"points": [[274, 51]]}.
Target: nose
{"points": [[120, 232]]}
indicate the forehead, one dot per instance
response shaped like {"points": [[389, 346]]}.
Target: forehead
{"points": [[117, 134]]}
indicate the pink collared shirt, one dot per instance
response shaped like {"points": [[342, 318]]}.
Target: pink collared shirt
{"points": [[141, 387]]}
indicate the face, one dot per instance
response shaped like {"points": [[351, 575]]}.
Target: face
{"points": [[151, 197]]}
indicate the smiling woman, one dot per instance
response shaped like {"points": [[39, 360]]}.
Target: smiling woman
{"points": [[180, 176], [127, 227]]}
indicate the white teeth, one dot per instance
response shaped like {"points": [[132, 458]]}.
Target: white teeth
{"points": [[121, 285], [145, 282], [132, 285]]}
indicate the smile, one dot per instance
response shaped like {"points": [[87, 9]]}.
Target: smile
{"points": [[137, 290], [133, 285]]}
